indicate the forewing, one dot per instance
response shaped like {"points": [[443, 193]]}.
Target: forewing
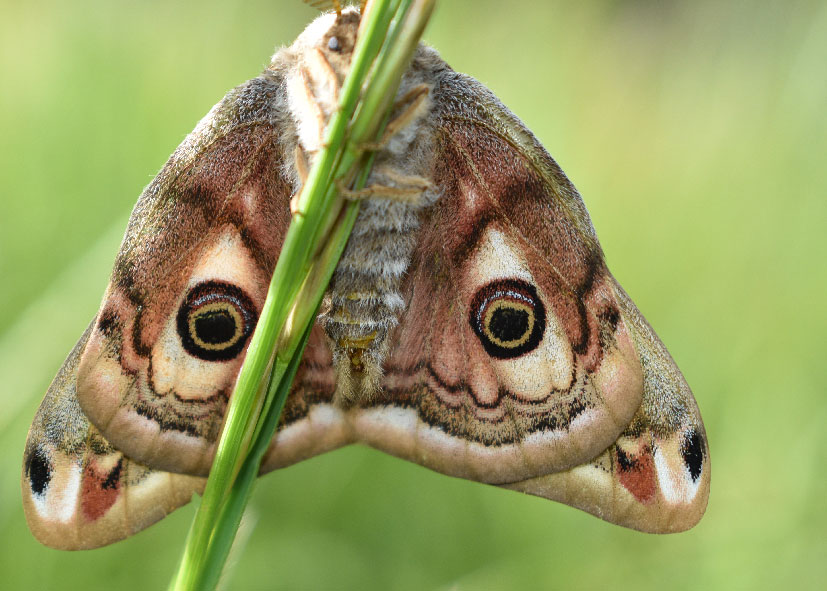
{"points": [[188, 285], [78, 491], [655, 477], [512, 359]]}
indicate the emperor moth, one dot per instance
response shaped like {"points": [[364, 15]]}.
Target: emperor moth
{"points": [[471, 326]]}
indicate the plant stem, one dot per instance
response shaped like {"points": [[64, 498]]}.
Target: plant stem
{"points": [[315, 240]]}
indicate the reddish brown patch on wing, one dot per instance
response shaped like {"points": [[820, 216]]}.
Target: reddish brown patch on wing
{"points": [[100, 490], [485, 179], [637, 473]]}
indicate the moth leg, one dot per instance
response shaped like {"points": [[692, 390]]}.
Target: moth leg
{"points": [[294, 205], [321, 93], [410, 105], [310, 101], [321, 68], [328, 5], [410, 191], [303, 171], [409, 180], [404, 195], [302, 166]]}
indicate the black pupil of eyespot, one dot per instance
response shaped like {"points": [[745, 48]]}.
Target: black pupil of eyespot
{"points": [[215, 327], [215, 321], [508, 317], [333, 44], [508, 324]]}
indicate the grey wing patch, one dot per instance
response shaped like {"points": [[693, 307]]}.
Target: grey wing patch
{"points": [[76, 486]]}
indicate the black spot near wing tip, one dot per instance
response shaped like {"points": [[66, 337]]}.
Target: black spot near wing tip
{"points": [[39, 471], [109, 322], [692, 451]]}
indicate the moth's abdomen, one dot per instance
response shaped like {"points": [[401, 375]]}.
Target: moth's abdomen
{"points": [[365, 299]]}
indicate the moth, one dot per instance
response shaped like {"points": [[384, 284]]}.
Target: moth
{"points": [[471, 326]]}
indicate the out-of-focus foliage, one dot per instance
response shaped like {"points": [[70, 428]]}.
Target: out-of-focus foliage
{"points": [[695, 131]]}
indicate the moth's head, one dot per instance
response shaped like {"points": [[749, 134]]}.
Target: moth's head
{"points": [[334, 36]]}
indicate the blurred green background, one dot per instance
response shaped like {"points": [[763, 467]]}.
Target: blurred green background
{"points": [[696, 132]]}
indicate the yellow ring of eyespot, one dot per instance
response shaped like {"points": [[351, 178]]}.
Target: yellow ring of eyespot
{"points": [[216, 307], [513, 305]]}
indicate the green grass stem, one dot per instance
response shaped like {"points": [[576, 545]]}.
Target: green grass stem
{"points": [[315, 240]]}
